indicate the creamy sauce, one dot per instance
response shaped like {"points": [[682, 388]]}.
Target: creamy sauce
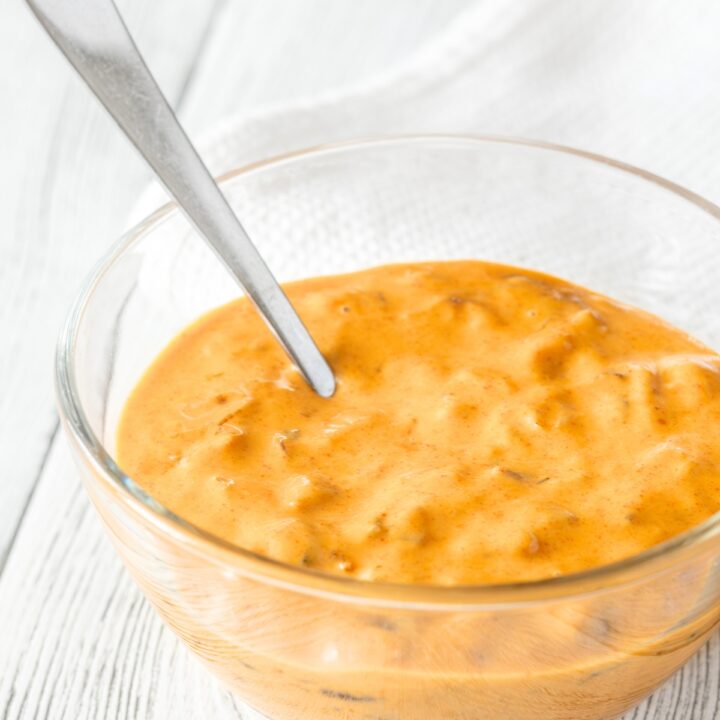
{"points": [[491, 424]]}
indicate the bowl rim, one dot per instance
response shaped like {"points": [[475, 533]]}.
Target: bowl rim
{"points": [[307, 580]]}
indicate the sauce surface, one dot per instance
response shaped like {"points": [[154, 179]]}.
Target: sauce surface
{"points": [[490, 424]]}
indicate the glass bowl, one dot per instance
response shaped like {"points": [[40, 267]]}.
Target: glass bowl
{"points": [[301, 645]]}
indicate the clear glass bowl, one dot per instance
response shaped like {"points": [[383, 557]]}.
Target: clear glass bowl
{"points": [[300, 645]]}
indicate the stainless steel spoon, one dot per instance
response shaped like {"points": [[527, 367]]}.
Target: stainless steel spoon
{"points": [[93, 37]]}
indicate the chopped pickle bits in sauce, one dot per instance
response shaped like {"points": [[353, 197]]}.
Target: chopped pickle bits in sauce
{"points": [[490, 425]]}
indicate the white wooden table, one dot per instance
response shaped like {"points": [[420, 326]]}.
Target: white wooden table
{"points": [[77, 640]]}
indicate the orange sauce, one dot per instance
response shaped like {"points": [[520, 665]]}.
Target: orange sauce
{"points": [[490, 424]]}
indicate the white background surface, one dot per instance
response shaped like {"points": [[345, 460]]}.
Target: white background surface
{"points": [[76, 638]]}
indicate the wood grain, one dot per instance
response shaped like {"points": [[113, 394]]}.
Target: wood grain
{"points": [[77, 640]]}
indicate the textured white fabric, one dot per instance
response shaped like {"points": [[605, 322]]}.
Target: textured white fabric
{"points": [[631, 79], [637, 80]]}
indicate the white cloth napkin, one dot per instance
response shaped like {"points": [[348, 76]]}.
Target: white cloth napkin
{"points": [[631, 79], [636, 80]]}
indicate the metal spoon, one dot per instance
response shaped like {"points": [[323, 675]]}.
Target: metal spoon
{"points": [[93, 37]]}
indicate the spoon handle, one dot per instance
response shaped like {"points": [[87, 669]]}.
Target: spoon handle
{"points": [[94, 38]]}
